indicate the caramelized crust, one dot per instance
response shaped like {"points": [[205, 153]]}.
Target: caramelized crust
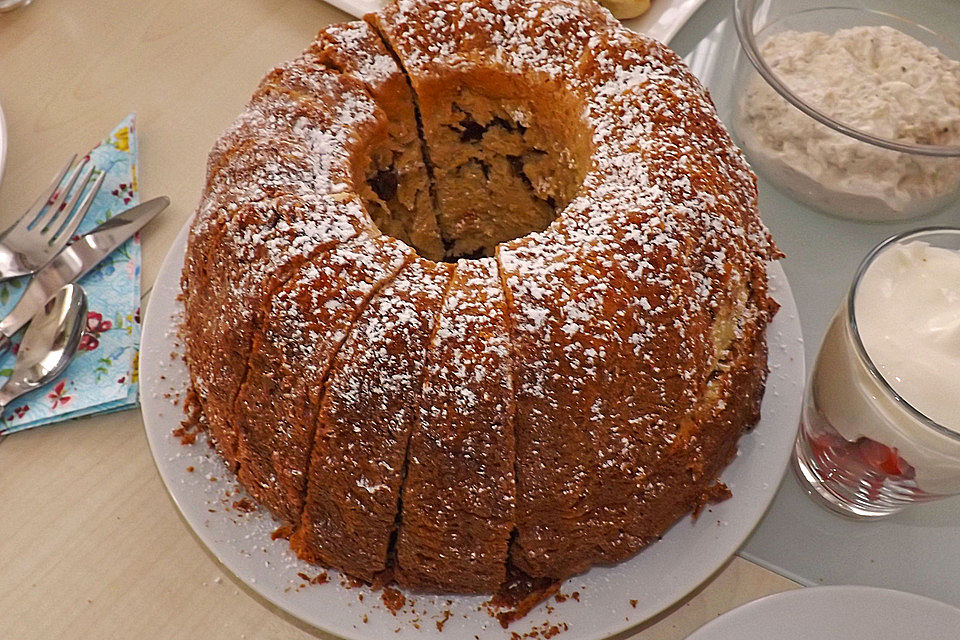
{"points": [[243, 244], [300, 145], [260, 245]]}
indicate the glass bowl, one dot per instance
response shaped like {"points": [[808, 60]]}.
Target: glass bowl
{"points": [[842, 168]]}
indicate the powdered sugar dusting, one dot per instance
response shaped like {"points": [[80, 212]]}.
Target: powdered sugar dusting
{"points": [[544, 38], [620, 310], [307, 322], [370, 405], [356, 49], [459, 497], [279, 190]]}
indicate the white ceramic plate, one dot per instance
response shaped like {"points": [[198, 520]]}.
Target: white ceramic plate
{"points": [[837, 613], [611, 599], [661, 21], [3, 142]]}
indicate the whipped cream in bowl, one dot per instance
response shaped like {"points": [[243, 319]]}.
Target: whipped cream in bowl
{"points": [[850, 111], [881, 418]]}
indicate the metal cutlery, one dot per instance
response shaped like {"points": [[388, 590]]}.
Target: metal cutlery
{"points": [[75, 261], [48, 345], [32, 241]]}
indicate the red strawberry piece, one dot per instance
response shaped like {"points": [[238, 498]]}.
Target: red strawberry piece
{"points": [[884, 459]]}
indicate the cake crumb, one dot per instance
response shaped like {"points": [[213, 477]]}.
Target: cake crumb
{"points": [[282, 532], [393, 600], [245, 505], [443, 621]]}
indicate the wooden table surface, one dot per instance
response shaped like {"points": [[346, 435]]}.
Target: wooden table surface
{"points": [[91, 545]]}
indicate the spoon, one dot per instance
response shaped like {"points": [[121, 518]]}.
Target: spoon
{"points": [[49, 343]]}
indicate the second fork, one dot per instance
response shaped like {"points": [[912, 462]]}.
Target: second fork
{"points": [[39, 235]]}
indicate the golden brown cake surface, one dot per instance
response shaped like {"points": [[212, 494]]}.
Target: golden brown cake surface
{"points": [[459, 495], [477, 290], [304, 328], [370, 405]]}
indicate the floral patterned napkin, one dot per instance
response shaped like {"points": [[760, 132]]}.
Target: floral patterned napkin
{"points": [[103, 377]]}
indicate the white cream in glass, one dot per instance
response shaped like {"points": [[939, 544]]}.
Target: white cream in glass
{"points": [[881, 418]]}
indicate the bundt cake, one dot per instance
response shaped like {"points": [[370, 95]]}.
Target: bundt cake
{"points": [[477, 290]]}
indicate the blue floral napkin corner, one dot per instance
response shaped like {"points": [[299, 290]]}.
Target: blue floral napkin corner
{"points": [[103, 377]]}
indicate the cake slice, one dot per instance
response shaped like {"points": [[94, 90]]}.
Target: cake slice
{"points": [[457, 510], [259, 246], [306, 323], [370, 403], [280, 189], [399, 198], [555, 302]]}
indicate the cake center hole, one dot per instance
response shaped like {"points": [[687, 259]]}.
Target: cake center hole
{"points": [[493, 163]]}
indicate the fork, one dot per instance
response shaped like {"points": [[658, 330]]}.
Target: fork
{"points": [[39, 235]]}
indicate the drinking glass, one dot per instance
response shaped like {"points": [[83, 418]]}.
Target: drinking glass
{"points": [[862, 450]]}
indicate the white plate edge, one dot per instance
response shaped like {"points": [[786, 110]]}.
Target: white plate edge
{"points": [[814, 592]]}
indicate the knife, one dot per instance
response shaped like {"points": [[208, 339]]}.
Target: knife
{"points": [[76, 259]]}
